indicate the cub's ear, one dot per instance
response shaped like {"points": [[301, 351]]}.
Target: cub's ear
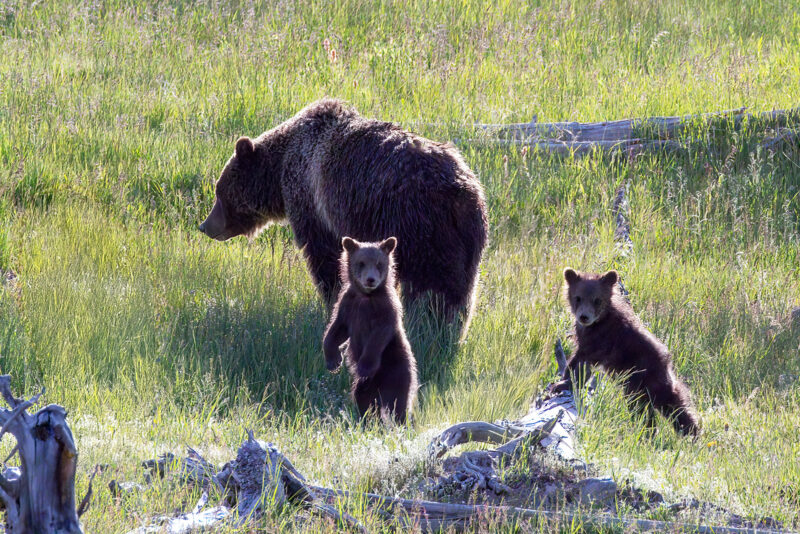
{"points": [[350, 245], [610, 278], [387, 245], [571, 276], [244, 147]]}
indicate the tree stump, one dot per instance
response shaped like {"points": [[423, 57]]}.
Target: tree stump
{"points": [[39, 495]]}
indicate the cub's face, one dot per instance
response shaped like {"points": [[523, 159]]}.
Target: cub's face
{"points": [[368, 264], [589, 294]]}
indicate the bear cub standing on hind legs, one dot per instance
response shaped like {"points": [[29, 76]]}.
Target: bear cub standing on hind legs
{"points": [[369, 314], [610, 335]]}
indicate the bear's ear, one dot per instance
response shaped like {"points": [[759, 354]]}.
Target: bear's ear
{"points": [[350, 245], [387, 245], [244, 147], [610, 278], [571, 276]]}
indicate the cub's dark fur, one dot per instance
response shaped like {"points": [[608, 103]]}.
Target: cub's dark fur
{"points": [[369, 314], [610, 335]]}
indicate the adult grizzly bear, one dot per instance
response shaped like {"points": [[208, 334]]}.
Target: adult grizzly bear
{"points": [[611, 336], [333, 173], [369, 314]]}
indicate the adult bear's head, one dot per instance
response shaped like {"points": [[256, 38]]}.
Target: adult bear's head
{"points": [[248, 195]]}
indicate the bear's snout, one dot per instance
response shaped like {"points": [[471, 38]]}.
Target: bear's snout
{"points": [[586, 317], [215, 225]]}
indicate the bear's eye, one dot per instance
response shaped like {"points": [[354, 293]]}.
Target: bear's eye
{"points": [[597, 302], [379, 266], [577, 300], [360, 265]]}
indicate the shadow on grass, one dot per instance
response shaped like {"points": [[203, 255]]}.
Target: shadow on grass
{"points": [[271, 347], [435, 343]]}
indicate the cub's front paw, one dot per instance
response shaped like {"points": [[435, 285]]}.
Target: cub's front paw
{"points": [[559, 387], [367, 368], [333, 363]]}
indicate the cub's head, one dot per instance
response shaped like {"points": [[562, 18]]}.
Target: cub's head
{"points": [[589, 294], [369, 265], [247, 198]]}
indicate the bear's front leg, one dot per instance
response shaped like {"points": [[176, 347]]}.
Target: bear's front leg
{"points": [[322, 251], [577, 371], [335, 335], [370, 360]]}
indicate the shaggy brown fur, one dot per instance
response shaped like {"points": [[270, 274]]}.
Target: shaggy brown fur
{"points": [[610, 335], [332, 173], [368, 313]]}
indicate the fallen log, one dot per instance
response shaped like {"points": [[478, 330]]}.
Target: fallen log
{"points": [[39, 495], [630, 137], [258, 481], [628, 147], [550, 423], [261, 475], [432, 516], [650, 128]]}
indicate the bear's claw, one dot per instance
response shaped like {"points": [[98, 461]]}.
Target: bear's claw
{"points": [[333, 364], [366, 369]]}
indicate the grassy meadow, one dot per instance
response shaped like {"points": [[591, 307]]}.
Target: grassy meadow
{"points": [[116, 118]]}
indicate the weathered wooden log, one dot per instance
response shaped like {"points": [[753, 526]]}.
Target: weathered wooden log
{"points": [[630, 137], [39, 495], [428, 516], [432, 516], [192, 469], [256, 462], [258, 480], [782, 135], [471, 431], [549, 423], [197, 520], [650, 128], [628, 147]]}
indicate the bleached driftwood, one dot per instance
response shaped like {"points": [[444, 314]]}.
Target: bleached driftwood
{"points": [[261, 476], [550, 423], [634, 136], [628, 147], [432, 516], [650, 128], [39, 495], [259, 480]]}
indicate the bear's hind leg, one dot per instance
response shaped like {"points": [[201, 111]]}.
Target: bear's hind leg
{"points": [[673, 402], [366, 396], [686, 422], [641, 406], [394, 390]]}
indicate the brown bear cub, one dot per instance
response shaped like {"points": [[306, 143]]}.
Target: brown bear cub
{"points": [[609, 335], [369, 314]]}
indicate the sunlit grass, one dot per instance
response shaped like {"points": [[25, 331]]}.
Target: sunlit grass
{"points": [[116, 118]]}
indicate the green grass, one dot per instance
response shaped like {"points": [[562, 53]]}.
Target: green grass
{"points": [[116, 118]]}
